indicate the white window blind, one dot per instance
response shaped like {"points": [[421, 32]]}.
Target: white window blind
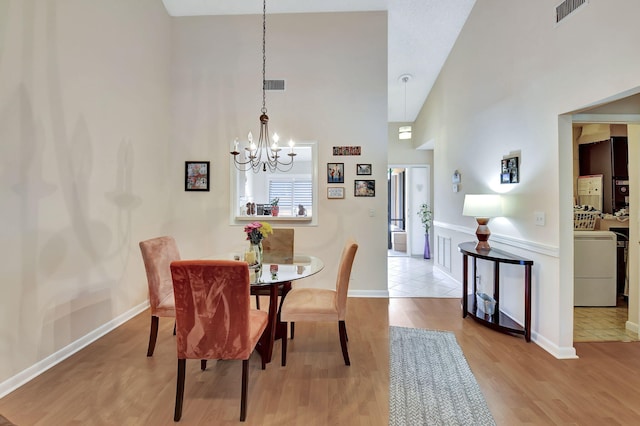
{"points": [[291, 193]]}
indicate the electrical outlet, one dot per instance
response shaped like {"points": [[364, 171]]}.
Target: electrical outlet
{"points": [[539, 218]]}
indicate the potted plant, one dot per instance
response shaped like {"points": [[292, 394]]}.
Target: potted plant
{"points": [[275, 209], [426, 215]]}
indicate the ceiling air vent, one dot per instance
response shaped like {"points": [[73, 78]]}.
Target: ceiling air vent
{"points": [[567, 7], [274, 85]]}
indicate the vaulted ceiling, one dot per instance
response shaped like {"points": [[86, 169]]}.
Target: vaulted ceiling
{"points": [[421, 34]]}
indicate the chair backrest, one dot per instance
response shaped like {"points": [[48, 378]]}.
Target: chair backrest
{"points": [[212, 309], [157, 254], [278, 247], [344, 274]]}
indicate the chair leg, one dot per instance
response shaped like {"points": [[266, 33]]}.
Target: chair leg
{"points": [[284, 346], [293, 326], [153, 335], [245, 384], [203, 364], [174, 328], [180, 389], [257, 302], [343, 342]]}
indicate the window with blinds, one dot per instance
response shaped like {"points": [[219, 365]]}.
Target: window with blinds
{"points": [[291, 192]]}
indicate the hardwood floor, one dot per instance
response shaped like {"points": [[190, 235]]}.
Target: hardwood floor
{"points": [[112, 382]]}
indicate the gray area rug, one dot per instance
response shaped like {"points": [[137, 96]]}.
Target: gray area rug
{"points": [[431, 382]]}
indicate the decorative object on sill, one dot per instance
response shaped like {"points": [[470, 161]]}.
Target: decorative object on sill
{"points": [[265, 155], [426, 215], [275, 209], [509, 170], [404, 132], [347, 150], [196, 176], [483, 207], [256, 232], [251, 209], [301, 210]]}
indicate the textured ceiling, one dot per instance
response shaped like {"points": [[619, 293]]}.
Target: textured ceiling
{"points": [[421, 35]]}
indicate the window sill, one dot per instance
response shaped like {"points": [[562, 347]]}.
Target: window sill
{"points": [[274, 218]]}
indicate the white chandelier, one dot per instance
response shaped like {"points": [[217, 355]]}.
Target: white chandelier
{"points": [[265, 154]]}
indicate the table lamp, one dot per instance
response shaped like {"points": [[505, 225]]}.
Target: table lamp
{"points": [[483, 207]]}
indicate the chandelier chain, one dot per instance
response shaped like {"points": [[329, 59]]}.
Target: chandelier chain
{"points": [[264, 55]]}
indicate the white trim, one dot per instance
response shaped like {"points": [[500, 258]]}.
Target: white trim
{"points": [[547, 250], [567, 352], [380, 294], [40, 367]]}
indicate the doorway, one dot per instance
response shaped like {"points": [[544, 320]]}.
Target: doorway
{"points": [[408, 188], [594, 321]]}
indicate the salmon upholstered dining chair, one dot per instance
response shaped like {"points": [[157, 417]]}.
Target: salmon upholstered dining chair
{"points": [[317, 305], [214, 319], [277, 248], [157, 254]]}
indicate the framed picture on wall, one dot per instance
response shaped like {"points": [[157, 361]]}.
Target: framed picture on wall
{"points": [[196, 176], [509, 172], [335, 192], [363, 169], [364, 188], [335, 172]]}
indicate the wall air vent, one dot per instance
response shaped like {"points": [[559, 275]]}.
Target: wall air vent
{"points": [[274, 85], [568, 7]]}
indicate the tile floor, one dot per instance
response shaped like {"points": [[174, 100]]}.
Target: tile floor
{"points": [[601, 324], [416, 277]]}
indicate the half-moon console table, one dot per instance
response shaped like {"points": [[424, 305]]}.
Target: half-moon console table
{"points": [[498, 320]]}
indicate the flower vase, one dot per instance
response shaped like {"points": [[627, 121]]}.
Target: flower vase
{"points": [[256, 257], [275, 210], [427, 249]]}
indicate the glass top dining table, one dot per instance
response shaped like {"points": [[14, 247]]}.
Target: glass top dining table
{"points": [[275, 280], [302, 266]]}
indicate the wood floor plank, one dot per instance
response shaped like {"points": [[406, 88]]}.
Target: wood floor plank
{"points": [[112, 382]]}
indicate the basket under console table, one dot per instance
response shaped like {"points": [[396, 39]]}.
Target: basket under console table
{"points": [[498, 321]]}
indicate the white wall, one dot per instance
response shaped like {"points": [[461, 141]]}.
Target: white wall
{"points": [[512, 73], [84, 113], [102, 102], [335, 94]]}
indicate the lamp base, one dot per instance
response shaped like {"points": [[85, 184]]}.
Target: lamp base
{"points": [[482, 234]]}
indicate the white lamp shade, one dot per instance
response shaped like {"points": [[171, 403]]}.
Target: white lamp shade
{"points": [[404, 132], [482, 205]]}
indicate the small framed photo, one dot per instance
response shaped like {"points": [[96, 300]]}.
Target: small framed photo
{"points": [[509, 170], [335, 192], [335, 172], [363, 169], [364, 188], [196, 176]]}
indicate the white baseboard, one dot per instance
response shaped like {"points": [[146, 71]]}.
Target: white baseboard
{"points": [[40, 367], [567, 352], [369, 293]]}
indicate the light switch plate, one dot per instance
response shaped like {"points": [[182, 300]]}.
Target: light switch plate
{"points": [[539, 218]]}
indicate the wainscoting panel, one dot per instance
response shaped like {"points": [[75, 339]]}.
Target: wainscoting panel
{"points": [[443, 247]]}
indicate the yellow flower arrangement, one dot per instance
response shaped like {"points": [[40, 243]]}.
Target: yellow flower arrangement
{"points": [[257, 231]]}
